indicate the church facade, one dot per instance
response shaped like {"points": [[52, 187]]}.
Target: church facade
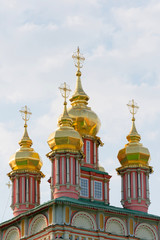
{"points": [[79, 208]]}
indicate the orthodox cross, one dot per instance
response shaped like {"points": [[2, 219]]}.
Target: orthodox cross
{"points": [[78, 59], [9, 184], [133, 108], [25, 112], [65, 90]]}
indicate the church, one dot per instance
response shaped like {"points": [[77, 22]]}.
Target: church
{"points": [[80, 207]]}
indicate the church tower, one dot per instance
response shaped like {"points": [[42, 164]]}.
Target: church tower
{"points": [[85, 121], [135, 169], [25, 175], [94, 179], [65, 144]]}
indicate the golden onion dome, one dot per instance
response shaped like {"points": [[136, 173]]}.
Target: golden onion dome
{"points": [[25, 158], [85, 121], [65, 137], [134, 153]]}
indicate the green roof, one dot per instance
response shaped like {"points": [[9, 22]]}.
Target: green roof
{"points": [[93, 170], [85, 203]]}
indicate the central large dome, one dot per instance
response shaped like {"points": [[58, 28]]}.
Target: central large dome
{"points": [[85, 121]]}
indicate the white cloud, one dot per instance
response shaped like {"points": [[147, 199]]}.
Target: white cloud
{"points": [[120, 41]]}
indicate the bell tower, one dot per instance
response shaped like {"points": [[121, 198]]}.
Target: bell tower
{"points": [[135, 169]]}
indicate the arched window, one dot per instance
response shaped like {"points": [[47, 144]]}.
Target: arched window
{"points": [[84, 220], [146, 232], [116, 226], [12, 233], [38, 223]]}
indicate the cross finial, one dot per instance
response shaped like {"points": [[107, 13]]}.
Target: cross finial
{"points": [[133, 108], [8, 184], [25, 112], [78, 59], [65, 90]]}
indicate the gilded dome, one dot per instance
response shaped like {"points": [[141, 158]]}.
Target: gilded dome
{"points": [[25, 158], [85, 121], [134, 153], [65, 137]]}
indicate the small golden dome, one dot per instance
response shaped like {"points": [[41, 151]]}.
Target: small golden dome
{"points": [[85, 121], [65, 137], [25, 158], [134, 153]]}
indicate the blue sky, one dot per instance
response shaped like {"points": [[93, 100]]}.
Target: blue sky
{"points": [[121, 43]]}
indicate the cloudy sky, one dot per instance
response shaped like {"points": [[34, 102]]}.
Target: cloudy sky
{"points": [[120, 40]]}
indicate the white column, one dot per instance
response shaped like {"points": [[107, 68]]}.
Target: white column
{"points": [[67, 169], [129, 185], [17, 189], [62, 170], [31, 189], [139, 184], [77, 171], [57, 170], [142, 185], [134, 185], [126, 183], [147, 186], [71, 170], [27, 189], [92, 189], [122, 193], [22, 189]]}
